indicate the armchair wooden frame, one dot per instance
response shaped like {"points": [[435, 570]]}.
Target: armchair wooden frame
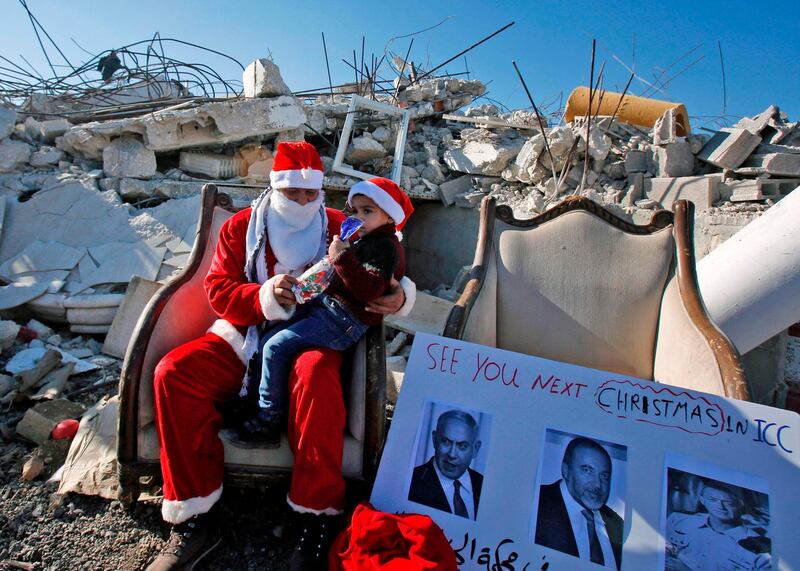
{"points": [[131, 467], [728, 360]]}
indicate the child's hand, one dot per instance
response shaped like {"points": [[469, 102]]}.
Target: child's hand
{"points": [[336, 247]]}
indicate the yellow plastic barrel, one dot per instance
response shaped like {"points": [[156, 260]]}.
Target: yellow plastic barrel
{"points": [[640, 111]]}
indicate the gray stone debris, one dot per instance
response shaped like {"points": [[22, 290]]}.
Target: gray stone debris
{"points": [[480, 157], [262, 78], [675, 159], [779, 164], [8, 120], [13, 155], [363, 149], [128, 157], [46, 157]]}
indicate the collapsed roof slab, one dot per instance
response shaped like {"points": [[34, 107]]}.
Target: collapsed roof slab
{"points": [[210, 124]]}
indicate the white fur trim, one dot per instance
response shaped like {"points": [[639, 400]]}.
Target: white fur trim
{"points": [[178, 511], [304, 510], [301, 178], [229, 333], [380, 197], [410, 289], [270, 307]]}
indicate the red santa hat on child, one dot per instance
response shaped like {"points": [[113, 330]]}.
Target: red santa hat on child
{"points": [[296, 165], [387, 195]]}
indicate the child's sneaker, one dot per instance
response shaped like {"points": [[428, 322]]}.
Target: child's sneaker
{"points": [[259, 431]]}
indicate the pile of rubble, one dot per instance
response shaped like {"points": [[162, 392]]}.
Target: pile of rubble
{"points": [[86, 204]]}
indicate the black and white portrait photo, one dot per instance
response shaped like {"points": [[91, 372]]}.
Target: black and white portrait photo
{"points": [[580, 505], [712, 522], [449, 461]]}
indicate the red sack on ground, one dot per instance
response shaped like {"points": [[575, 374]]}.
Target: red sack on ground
{"points": [[380, 541]]}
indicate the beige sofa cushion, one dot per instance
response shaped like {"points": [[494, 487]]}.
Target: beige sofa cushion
{"points": [[578, 290]]}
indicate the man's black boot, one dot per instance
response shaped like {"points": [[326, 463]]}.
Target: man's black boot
{"points": [[317, 533], [188, 543]]}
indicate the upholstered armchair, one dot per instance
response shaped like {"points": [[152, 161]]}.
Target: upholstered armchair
{"points": [[180, 312], [578, 284]]}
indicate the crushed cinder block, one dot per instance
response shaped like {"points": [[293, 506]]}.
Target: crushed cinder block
{"points": [[262, 78], [13, 155], [741, 190], [39, 421], [729, 149], [777, 164], [127, 156], [46, 131], [703, 191], [665, 128]]}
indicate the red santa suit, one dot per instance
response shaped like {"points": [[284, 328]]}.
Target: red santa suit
{"points": [[192, 378]]}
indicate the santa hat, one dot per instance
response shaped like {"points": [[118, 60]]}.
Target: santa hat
{"points": [[296, 165], [387, 195]]}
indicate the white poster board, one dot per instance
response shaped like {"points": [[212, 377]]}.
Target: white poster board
{"points": [[656, 470]]}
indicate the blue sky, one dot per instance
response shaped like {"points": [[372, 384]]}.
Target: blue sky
{"points": [[551, 42]]}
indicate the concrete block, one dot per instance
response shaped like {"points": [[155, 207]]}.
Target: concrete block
{"points": [[363, 149], [478, 157], [675, 159], [428, 315], [450, 189], [703, 191], [46, 156], [13, 155], [741, 190], [635, 161], [780, 164], [137, 296], [128, 157], [8, 120], [728, 150], [262, 78], [665, 128], [46, 131], [8, 333], [39, 421]]}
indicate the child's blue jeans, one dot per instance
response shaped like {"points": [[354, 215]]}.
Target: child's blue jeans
{"points": [[323, 322]]}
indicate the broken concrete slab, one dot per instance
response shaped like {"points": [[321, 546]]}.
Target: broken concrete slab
{"points": [[729, 149], [665, 128], [118, 261], [428, 316], [450, 189], [675, 159], [779, 164], [477, 157], [16, 294], [41, 256], [28, 358], [13, 155], [703, 191], [743, 190], [363, 149], [262, 78], [138, 294], [46, 131], [40, 420], [213, 123], [127, 156], [8, 120], [71, 213], [635, 161], [760, 122], [53, 383]]}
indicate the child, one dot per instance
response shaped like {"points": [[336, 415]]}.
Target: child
{"points": [[336, 318]]}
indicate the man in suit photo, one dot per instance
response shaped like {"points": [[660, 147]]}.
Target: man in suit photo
{"points": [[446, 482], [573, 516]]}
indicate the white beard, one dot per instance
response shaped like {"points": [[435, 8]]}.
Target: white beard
{"points": [[295, 232]]}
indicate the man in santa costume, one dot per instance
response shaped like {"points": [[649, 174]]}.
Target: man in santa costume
{"points": [[260, 251]]}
